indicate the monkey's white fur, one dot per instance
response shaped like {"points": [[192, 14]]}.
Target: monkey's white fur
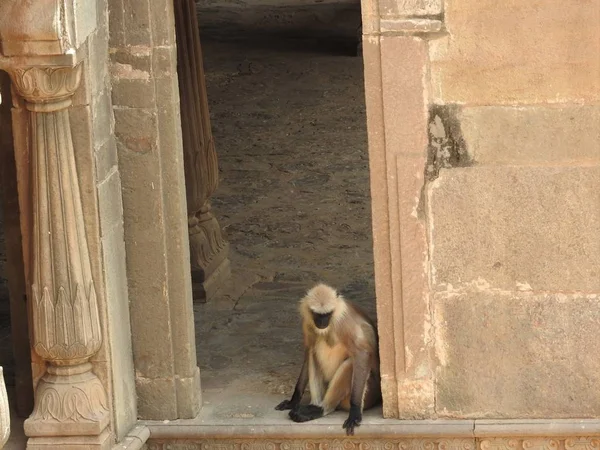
{"points": [[341, 363], [323, 299]]}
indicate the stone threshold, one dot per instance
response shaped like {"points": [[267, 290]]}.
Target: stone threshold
{"points": [[374, 427]]}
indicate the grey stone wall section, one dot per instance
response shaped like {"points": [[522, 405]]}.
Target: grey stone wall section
{"points": [[92, 126], [148, 135]]}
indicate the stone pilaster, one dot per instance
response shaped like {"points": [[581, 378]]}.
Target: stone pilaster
{"points": [[208, 248], [71, 406], [396, 61]]}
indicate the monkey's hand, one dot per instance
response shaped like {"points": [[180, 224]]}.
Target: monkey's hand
{"points": [[286, 404], [354, 419], [304, 413]]}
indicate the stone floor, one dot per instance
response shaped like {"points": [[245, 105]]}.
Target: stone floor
{"points": [[289, 124]]}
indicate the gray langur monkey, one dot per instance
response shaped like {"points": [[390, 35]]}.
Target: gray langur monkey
{"points": [[341, 359]]}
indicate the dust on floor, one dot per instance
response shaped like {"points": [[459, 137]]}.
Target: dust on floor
{"points": [[290, 129]]}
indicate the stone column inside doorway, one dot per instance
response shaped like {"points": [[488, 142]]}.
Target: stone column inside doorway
{"points": [[208, 248]]}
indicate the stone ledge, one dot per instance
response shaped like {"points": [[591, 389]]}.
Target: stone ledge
{"points": [[252, 416], [373, 427]]}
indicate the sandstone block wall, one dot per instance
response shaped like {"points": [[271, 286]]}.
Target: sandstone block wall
{"points": [[146, 107], [513, 209]]}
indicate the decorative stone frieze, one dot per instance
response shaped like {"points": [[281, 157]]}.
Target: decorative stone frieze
{"points": [[70, 400], [500, 443], [317, 444]]}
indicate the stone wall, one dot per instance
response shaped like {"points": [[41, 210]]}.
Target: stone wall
{"points": [[513, 209]]}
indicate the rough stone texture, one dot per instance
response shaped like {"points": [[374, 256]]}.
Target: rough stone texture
{"points": [[108, 237], [148, 135], [517, 355], [541, 234], [523, 52], [397, 160], [532, 135]]}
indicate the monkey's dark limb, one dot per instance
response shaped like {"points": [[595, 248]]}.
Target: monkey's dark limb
{"points": [[298, 390], [304, 413], [360, 375], [354, 419]]}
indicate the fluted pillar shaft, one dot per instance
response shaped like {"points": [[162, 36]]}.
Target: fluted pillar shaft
{"points": [[70, 401], [208, 248]]}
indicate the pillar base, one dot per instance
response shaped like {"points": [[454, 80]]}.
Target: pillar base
{"points": [[69, 401], [208, 253], [208, 289], [101, 442]]}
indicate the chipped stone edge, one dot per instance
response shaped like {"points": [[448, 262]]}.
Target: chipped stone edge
{"points": [[134, 440]]}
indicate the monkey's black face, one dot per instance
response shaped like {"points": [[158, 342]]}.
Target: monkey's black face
{"points": [[321, 320]]}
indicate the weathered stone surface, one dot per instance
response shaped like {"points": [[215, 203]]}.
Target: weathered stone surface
{"points": [[506, 355], [156, 397], [136, 129], [133, 93], [534, 135], [397, 160], [118, 323], [399, 8], [137, 28], [550, 56], [516, 228], [148, 135], [106, 159]]}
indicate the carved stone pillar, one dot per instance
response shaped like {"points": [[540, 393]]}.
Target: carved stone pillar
{"points": [[71, 409], [208, 248]]}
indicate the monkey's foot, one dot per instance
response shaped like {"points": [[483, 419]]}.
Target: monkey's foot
{"points": [[354, 419], [304, 413], [286, 404]]}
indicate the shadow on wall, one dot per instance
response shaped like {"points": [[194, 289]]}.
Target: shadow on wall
{"points": [[340, 19]]}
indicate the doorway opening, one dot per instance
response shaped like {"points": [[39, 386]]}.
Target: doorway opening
{"points": [[287, 108]]}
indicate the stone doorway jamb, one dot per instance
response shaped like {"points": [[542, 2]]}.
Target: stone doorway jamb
{"points": [[396, 59], [146, 106]]}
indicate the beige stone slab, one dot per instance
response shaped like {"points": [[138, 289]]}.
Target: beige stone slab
{"points": [[521, 52], [539, 427], [252, 416], [508, 355], [535, 135], [516, 228]]}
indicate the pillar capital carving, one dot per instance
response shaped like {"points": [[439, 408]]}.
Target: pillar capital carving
{"points": [[47, 88]]}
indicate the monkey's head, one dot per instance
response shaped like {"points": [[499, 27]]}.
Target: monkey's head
{"points": [[320, 304]]}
